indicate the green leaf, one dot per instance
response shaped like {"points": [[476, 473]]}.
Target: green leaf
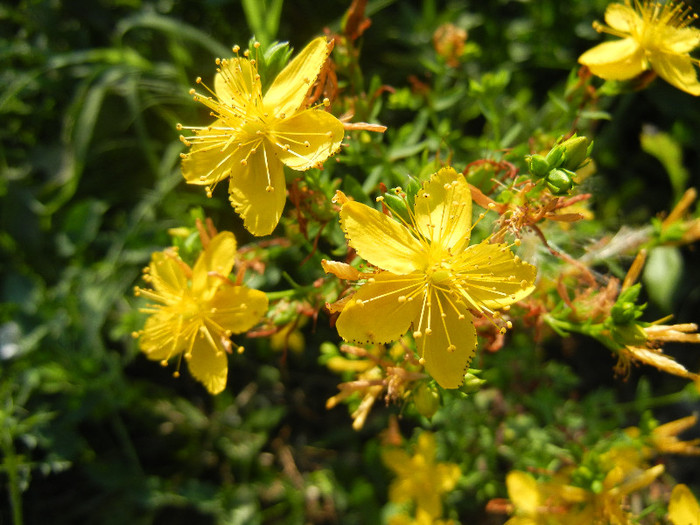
{"points": [[662, 274], [667, 150]]}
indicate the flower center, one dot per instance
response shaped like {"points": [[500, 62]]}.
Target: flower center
{"points": [[440, 276]]}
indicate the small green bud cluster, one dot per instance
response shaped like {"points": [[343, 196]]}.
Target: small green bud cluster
{"points": [[558, 167], [623, 318]]}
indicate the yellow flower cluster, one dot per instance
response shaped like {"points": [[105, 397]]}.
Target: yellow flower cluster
{"points": [[625, 471]]}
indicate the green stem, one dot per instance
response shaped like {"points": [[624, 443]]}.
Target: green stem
{"points": [[297, 289], [281, 294], [11, 465], [653, 402]]}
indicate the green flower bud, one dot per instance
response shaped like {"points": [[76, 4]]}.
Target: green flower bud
{"points": [[623, 312], [397, 205], [576, 152], [426, 400], [472, 383], [538, 165], [412, 188], [629, 334], [555, 156], [559, 181]]}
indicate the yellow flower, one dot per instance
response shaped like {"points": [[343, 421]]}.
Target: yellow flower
{"points": [[255, 135], [419, 478], [421, 518], [683, 509], [431, 277], [608, 506], [198, 309], [654, 36], [543, 503]]}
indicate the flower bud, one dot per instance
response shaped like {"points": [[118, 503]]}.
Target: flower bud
{"points": [[576, 152], [397, 205], [559, 181], [630, 334], [538, 165], [472, 383], [426, 400], [623, 312], [555, 156]]}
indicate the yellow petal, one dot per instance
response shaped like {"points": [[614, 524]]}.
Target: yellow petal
{"points": [[288, 91], [208, 366], [218, 258], [621, 17], [523, 492], [492, 277], [659, 360], [448, 342], [380, 240], [429, 501], [237, 84], [260, 209], [683, 509], [443, 209], [341, 270], [641, 480], [446, 476], [680, 40], [677, 70], [167, 275], [307, 138], [376, 314], [618, 60], [162, 336], [398, 461], [211, 158], [238, 308], [426, 446]]}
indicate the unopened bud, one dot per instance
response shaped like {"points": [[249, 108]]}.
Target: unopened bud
{"points": [[397, 205], [426, 400], [555, 156], [559, 181], [472, 383], [538, 165], [576, 152], [623, 312]]}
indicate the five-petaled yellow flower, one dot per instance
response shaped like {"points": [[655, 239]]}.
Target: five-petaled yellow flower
{"points": [[419, 478], [431, 279], [197, 310], [255, 135], [654, 36]]}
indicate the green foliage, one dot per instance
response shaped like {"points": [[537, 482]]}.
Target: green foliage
{"points": [[90, 186]]}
